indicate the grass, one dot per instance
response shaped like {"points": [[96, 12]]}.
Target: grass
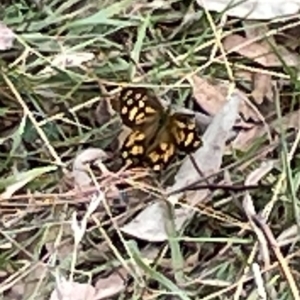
{"points": [[49, 118]]}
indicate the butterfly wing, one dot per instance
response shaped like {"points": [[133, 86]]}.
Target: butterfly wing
{"points": [[156, 135], [179, 134], [184, 132], [133, 149], [138, 107], [162, 151], [140, 110]]}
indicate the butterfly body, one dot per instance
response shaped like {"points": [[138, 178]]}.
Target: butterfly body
{"points": [[157, 133]]}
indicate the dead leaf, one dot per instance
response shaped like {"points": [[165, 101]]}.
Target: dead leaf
{"points": [[110, 286], [257, 52], [288, 236], [211, 96], [291, 120], [262, 82], [152, 229], [252, 9], [80, 173], [256, 175], [26, 286], [65, 247], [262, 88], [245, 138], [6, 37], [73, 291]]}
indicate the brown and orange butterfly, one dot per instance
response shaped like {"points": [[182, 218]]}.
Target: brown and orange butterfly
{"points": [[158, 134]]}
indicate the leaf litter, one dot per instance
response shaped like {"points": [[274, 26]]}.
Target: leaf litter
{"points": [[149, 224]]}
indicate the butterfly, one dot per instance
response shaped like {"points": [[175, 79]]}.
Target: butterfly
{"points": [[158, 134]]}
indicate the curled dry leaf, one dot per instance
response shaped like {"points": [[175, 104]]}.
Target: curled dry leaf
{"points": [[252, 9], [79, 172], [150, 224], [6, 37], [262, 88], [211, 96]]}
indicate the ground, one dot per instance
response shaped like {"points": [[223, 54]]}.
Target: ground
{"points": [[62, 215]]}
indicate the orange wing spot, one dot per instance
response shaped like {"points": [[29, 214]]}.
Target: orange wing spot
{"points": [[124, 110], [164, 146], [128, 93], [138, 96], [189, 139], [157, 168], [191, 126], [133, 113], [137, 150], [140, 136], [141, 104], [149, 110], [154, 157], [140, 117], [125, 154], [129, 102], [180, 124], [169, 153]]}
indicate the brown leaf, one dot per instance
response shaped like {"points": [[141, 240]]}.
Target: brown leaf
{"points": [[257, 52], [245, 138], [262, 82], [25, 288], [149, 228], [110, 286], [291, 120], [211, 96], [262, 88]]}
